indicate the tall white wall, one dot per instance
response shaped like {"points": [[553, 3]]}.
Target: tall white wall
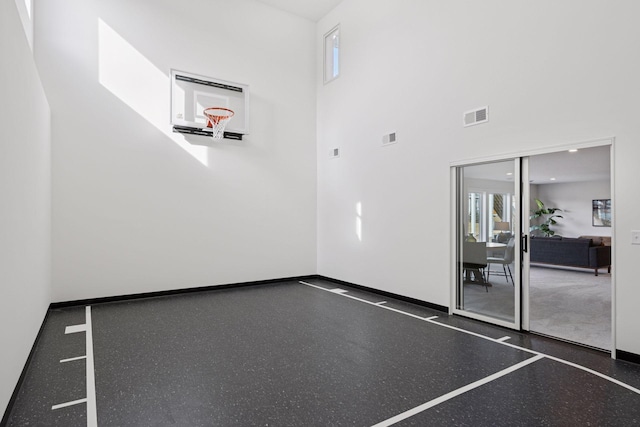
{"points": [[552, 73], [137, 208], [25, 201], [575, 201]]}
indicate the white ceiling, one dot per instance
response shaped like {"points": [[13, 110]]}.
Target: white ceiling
{"points": [[589, 164], [310, 9]]}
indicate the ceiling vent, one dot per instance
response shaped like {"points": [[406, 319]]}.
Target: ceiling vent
{"points": [[475, 117]]}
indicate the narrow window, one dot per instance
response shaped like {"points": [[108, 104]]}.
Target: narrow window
{"points": [[332, 54]]}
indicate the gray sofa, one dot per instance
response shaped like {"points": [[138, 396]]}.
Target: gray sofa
{"points": [[570, 252]]}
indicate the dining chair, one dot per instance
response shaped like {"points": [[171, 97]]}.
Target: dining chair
{"points": [[474, 256], [505, 260]]}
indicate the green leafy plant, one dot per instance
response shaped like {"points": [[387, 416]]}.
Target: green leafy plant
{"points": [[548, 216]]}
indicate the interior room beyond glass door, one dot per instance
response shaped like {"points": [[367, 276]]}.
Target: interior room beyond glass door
{"points": [[488, 242]]}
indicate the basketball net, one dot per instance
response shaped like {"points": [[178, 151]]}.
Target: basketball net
{"points": [[217, 119]]}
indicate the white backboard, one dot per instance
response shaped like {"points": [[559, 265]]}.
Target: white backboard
{"points": [[192, 93]]}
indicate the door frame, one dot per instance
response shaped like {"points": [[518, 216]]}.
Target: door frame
{"points": [[524, 298], [515, 324]]}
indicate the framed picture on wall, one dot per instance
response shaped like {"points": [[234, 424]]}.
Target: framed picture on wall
{"points": [[601, 209]]}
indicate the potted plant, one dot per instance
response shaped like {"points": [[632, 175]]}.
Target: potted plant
{"points": [[549, 218]]}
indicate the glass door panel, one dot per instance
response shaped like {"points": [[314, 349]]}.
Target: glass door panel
{"points": [[488, 243]]}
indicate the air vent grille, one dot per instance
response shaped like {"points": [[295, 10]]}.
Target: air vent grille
{"points": [[475, 117], [389, 138]]}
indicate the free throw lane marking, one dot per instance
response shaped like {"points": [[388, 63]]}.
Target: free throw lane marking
{"points": [[90, 400], [71, 359], [75, 328], [454, 393], [64, 405]]}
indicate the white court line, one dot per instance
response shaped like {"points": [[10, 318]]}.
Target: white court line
{"points": [[503, 339], [380, 303], [457, 392], [75, 328], [338, 291], [431, 318], [92, 412], [64, 405], [566, 362], [596, 373], [361, 300], [72, 359]]}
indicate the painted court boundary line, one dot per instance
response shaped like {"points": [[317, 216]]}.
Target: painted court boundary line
{"points": [[90, 400], [498, 341], [92, 412], [454, 393]]}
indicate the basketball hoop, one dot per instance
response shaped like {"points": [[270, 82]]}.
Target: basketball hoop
{"points": [[217, 119]]}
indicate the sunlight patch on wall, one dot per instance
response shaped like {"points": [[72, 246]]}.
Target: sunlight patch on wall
{"points": [[131, 77], [359, 220], [25, 11]]}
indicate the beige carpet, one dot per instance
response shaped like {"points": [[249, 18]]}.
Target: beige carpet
{"points": [[570, 304], [574, 305]]}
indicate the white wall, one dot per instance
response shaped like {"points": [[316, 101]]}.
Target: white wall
{"points": [[137, 208], [575, 201], [552, 73], [25, 11], [25, 201]]}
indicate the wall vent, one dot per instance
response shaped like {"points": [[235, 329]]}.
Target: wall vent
{"points": [[389, 138], [475, 117]]}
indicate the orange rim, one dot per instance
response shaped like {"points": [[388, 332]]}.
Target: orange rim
{"points": [[214, 119]]}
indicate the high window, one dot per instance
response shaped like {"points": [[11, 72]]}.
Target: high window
{"points": [[332, 54]]}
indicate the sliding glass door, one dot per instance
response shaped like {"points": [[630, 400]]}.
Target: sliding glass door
{"points": [[488, 224]]}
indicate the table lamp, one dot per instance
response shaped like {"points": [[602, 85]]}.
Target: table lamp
{"points": [[502, 226]]}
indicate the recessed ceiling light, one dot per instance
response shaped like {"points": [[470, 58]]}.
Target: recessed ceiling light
{"points": [[552, 179], [573, 150], [509, 173]]}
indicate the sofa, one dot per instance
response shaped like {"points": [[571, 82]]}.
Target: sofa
{"points": [[570, 252], [599, 240]]}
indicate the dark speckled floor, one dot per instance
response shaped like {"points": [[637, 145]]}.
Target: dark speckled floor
{"points": [[289, 354]]}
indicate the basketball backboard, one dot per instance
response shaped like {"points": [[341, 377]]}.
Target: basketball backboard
{"points": [[191, 94]]}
